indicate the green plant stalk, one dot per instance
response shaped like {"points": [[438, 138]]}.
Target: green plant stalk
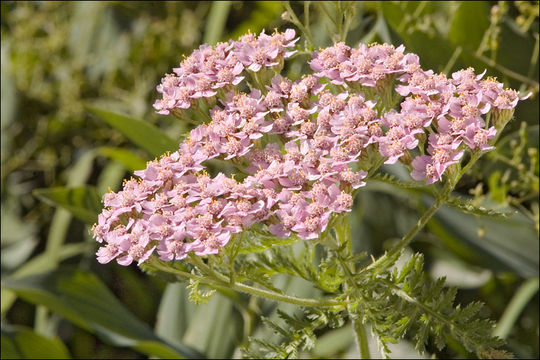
{"points": [[306, 16], [384, 261], [218, 280], [506, 71], [343, 233], [361, 338], [295, 21]]}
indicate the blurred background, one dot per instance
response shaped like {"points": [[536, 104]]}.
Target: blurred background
{"points": [[60, 60]]}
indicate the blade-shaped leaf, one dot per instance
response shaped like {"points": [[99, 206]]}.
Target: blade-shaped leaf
{"points": [[469, 24], [84, 300], [213, 327], [83, 202], [24, 343], [505, 243], [334, 342], [216, 21], [146, 135], [468, 207], [175, 312], [125, 157]]}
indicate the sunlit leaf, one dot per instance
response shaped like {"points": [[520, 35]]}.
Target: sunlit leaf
{"points": [[469, 23], [213, 327], [175, 312], [84, 300], [215, 23]]}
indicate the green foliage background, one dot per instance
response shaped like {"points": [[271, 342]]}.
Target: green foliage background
{"points": [[75, 78]]}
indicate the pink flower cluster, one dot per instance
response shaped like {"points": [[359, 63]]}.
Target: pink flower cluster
{"points": [[301, 149], [456, 107], [209, 69], [176, 207], [365, 65]]}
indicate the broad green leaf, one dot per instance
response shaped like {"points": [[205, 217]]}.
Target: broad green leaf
{"points": [[127, 158], [215, 23], [9, 348], [9, 101], [38, 264], [381, 29], [469, 24], [83, 24], [435, 49], [504, 243], [77, 175], [110, 177], [84, 300], [146, 135], [457, 272], [213, 327], [334, 342], [175, 312], [110, 47], [394, 12], [83, 202], [15, 254], [514, 52], [24, 343]]}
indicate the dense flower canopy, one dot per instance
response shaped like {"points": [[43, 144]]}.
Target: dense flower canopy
{"points": [[301, 146]]}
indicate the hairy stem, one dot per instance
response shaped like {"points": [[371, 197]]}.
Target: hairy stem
{"points": [[295, 21], [218, 280], [385, 260], [343, 232]]}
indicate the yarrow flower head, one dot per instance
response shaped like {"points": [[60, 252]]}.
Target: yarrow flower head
{"points": [[303, 148]]}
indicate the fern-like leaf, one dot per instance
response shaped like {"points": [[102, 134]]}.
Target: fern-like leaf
{"points": [[407, 301], [392, 180], [196, 295], [468, 207]]}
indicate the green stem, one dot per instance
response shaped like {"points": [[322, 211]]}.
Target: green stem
{"points": [[295, 21], [506, 71], [386, 259], [376, 166], [306, 16], [361, 339], [221, 281], [325, 10], [343, 232]]}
